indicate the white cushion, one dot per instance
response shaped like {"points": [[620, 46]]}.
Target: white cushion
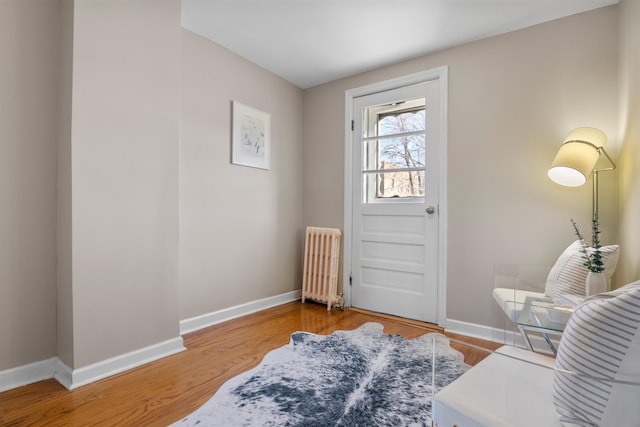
{"points": [[569, 274], [512, 300], [601, 340], [511, 387]]}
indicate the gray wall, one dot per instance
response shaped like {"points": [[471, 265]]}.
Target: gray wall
{"points": [[629, 159], [141, 118], [155, 225], [124, 176], [64, 307], [240, 227], [28, 131], [512, 101]]}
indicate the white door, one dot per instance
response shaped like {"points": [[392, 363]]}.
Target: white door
{"points": [[394, 255]]}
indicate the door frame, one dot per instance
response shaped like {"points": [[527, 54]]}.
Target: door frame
{"points": [[441, 74]]}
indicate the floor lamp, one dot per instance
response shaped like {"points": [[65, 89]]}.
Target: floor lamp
{"points": [[577, 158]]}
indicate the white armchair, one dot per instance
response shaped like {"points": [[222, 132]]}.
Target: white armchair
{"points": [[513, 283], [562, 283], [511, 387], [594, 381]]}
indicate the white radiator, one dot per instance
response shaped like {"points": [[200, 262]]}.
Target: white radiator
{"points": [[320, 276]]}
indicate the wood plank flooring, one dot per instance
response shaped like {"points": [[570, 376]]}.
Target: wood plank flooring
{"points": [[162, 392]]}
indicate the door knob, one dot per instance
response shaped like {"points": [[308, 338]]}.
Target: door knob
{"points": [[431, 210]]}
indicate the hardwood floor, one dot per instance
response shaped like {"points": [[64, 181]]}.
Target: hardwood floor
{"points": [[162, 392]]}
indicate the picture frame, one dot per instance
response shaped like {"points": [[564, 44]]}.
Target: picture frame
{"points": [[251, 137]]}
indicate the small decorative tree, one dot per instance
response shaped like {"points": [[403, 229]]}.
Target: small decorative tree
{"points": [[593, 261]]}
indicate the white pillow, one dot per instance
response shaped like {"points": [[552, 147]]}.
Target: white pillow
{"points": [[568, 275], [601, 340]]}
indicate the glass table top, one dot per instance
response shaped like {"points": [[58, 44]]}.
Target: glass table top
{"points": [[544, 313]]}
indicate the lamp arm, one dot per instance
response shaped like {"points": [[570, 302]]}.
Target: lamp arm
{"points": [[596, 185], [610, 168], [595, 204]]}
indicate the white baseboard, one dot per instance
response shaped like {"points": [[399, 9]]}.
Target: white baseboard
{"points": [[483, 332], [215, 317], [27, 374], [74, 378], [497, 335], [63, 374]]}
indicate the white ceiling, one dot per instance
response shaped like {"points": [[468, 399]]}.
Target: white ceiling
{"points": [[310, 42]]}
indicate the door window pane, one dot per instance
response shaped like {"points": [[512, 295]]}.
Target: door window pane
{"points": [[408, 121], [396, 185], [394, 153]]}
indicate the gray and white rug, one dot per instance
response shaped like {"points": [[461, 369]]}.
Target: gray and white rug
{"points": [[349, 378]]}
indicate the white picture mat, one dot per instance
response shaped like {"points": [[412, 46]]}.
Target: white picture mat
{"points": [[251, 138]]}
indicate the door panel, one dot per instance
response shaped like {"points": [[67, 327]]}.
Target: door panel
{"points": [[398, 252]]}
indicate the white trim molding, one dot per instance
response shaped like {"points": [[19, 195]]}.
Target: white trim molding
{"points": [[27, 374], [483, 332], [498, 335], [74, 378], [215, 317]]}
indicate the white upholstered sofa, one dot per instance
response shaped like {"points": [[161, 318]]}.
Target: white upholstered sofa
{"points": [[594, 381]]}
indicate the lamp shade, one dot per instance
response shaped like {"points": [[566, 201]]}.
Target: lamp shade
{"points": [[590, 135], [577, 157]]}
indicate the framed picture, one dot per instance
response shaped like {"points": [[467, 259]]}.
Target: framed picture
{"points": [[251, 138]]}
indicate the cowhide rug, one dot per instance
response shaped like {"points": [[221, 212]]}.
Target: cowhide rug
{"points": [[349, 378]]}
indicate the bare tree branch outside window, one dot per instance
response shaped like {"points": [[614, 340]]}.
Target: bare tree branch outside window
{"points": [[401, 152]]}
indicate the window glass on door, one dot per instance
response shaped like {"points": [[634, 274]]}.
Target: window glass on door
{"points": [[394, 152]]}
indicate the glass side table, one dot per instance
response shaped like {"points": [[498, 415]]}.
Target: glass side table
{"points": [[535, 316]]}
